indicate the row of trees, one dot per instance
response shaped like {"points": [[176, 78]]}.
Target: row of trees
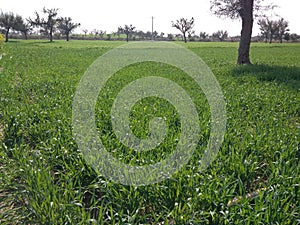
{"points": [[246, 10], [274, 29], [47, 23]]}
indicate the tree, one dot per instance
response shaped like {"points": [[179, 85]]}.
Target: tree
{"points": [[282, 29], [287, 36], [47, 24], [66, 26], [170, 37], [85, 31], [102, 33], [25, 28], [128, 30], [294, 37], [10, 21], [264, 29], [184, 25], [203, 35], [243, 9], [221, 35], [271, 29]]}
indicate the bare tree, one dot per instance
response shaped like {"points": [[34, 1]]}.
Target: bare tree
{"points": [[128, 30], [221, 35], [66, 26], [203, 35], [47, 24], [244, 9], [102, 33], [184, 25], [272, 29], [85, 31], [25, 28]]}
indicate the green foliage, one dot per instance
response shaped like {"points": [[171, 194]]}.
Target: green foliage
{"points": [[45, 180]]}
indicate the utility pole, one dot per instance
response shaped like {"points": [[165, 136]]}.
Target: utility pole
{"points": [[152, 28]]}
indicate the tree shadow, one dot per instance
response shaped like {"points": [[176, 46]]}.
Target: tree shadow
{"points": [[287, 75]]}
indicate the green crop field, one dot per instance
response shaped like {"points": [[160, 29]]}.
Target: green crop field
{"points": [[44, 178]]}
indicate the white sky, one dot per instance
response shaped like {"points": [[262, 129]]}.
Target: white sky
{"points": [[107, 15]]}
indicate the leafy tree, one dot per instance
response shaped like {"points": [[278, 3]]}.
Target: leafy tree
{"points": [[184, 25], [244, 9], [282, 29], [47, 24], [128, 30], [66, 26], [10, 21], [221, 35]]}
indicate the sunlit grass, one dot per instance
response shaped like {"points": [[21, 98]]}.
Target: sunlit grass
{"points": [[45, 180]]}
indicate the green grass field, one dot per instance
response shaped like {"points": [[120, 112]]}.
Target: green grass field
{"points": [[44, 179]]}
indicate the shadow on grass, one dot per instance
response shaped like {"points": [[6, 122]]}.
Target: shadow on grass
{"points": [[288, 75]]}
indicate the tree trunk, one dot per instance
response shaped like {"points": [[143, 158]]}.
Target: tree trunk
{"points": [[6, 35], [127, 37], [51, 34], [184, 38], [271, 39], [68, 38], [246, 33]]}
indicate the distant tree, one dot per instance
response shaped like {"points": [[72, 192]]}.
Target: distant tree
{"points": [[149, 35], [25, 28], [294, 37], [191, 35], [244, 9], [47, 24], [101, 33], [119, 31], [10, 21], [154, 35], [184, 25], [170, 37], [204, 35], [282, 29], [66, 26], [272, 29], [85, 31], [221, 35], [128, 30], [95, 32], [287, 36], [264, 29]]}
